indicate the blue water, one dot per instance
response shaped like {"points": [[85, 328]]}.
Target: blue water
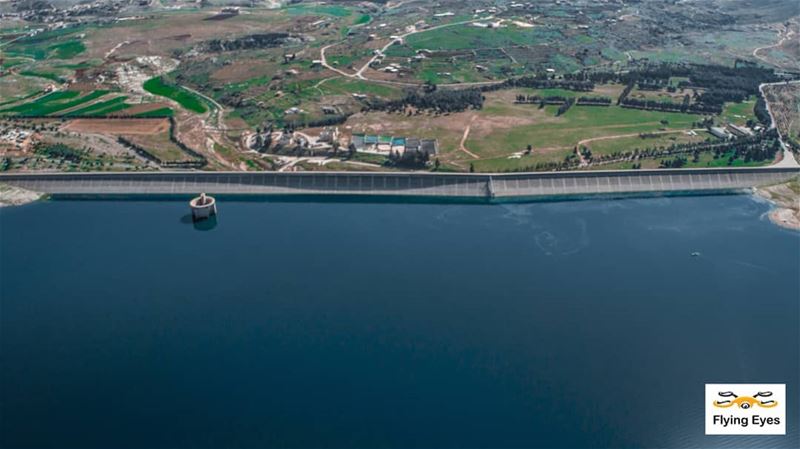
{"points": [[574, 324]]}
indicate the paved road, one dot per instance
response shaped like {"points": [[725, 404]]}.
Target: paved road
{"points": [[788, 159]]}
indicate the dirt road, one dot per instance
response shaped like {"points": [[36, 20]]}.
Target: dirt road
{"points": [[359, 74], [464, 139]]}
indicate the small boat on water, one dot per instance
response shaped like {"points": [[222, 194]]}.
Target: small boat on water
{"points": [[695, 254]]}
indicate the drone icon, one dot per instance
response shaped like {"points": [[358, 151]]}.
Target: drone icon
{"points": [[745, 402]]}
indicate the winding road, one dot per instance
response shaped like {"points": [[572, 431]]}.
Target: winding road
{"points": [[359, 74], [788, 159]]}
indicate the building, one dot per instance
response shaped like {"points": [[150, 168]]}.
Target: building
{"points": [[358, 142], [413, 144], [740, 131], [430, 146], [329, 134], [719, 132], [398, 144]]}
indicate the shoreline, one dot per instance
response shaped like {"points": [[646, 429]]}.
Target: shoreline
{"points": [[785, 200], [17, 196]]}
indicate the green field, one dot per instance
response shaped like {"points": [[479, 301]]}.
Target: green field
{"points": [[527, 163], [101, 108], [11, 62], [14, 100], [470, 37], [46, 75], [433, 71], [40, 49], [610, 146], [362, 19], [580, 122], [330, 10], [161, 112], [705, 160], [739, 113], [188, 100], [54, 102], [67, 50]]}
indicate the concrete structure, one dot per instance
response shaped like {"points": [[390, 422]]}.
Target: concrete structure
{"points": [[740, 131], [455, 185], [203, 207], [719, 132]]}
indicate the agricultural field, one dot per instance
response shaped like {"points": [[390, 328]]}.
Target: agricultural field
{"points": [[79, 103], [308, 66], [188, 100]]}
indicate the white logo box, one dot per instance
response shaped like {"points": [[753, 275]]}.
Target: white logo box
{"points": [[748, 413]]}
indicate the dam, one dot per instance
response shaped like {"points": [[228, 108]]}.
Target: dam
{"points": [[418, 184]]}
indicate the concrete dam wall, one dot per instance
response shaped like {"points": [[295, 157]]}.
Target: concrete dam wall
{"points": [[462, 185]]}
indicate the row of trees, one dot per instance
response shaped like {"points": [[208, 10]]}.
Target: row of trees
{"points": [[328, 120], [594, 101], [760, 147], [185, 148], [409, 159], [557, 99], [668, 106], [720, 84], [539, 82], [761, 112], [197, 161], [534, 99], [437, 100], [565, 107]]}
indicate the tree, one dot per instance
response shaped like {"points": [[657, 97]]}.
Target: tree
{"points": [[529, 149], [436, 164], [471, 167]]}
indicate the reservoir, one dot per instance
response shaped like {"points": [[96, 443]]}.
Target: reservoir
{"points": [[363, 324]]}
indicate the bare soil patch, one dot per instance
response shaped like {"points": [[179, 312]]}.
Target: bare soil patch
{"points": [[118, 126], [242, 71]]}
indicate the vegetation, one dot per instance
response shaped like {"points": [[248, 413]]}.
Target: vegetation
{"points": [[330, 10], [436, 100], [60, 151], [54, 102], [160, 112], [188, 100], [101, 108], [578, 123]]}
